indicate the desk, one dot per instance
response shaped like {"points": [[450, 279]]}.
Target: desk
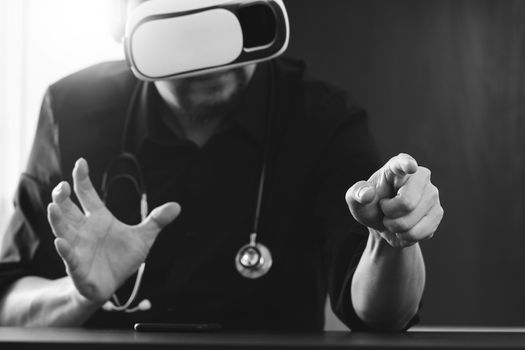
{"points": [[80, 339]]}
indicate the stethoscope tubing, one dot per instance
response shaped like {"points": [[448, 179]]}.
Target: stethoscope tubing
{"points": [[265, 258]]}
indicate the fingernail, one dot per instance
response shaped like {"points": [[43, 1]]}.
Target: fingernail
{"points": [[362, 191], [58, 188]]}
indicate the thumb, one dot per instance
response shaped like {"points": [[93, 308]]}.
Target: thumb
{"points": [[362, 201], [160, 217], [360, 194]]}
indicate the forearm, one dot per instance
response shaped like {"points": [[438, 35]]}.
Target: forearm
{"points": [[38, 302], [388, 284]]}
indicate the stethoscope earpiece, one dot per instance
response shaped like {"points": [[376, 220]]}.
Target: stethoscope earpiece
{"points": [[254, 259]]}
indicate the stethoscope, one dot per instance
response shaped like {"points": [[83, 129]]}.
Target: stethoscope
{"points": [[253, 260]]}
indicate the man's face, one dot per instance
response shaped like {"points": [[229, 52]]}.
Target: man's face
{"points": [[205, 95]]}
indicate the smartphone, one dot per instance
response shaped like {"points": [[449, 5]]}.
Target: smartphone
{"points": [[176, 327]]}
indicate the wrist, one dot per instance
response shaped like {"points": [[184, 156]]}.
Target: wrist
{"points": [[378, 245], [377, 242], [77, 299], [386, 240]]}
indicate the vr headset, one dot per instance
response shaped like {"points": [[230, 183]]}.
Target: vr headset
{"points": [[167, 39]]}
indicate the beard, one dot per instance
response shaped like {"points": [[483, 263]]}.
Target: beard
{"points": [[202, 98]]}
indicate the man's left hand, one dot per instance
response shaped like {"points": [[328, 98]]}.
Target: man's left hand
{"points": [[398, 202]]}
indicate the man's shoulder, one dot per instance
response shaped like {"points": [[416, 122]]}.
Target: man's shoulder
{"points": [[101, 83]]}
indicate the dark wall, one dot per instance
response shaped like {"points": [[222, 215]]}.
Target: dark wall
{"points": [[443, 81]]}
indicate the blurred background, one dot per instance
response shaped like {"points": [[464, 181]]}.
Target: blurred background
{"points": [[443, 80]]}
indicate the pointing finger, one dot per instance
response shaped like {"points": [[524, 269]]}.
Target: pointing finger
{"points": [[86, 194], [398, 169]]}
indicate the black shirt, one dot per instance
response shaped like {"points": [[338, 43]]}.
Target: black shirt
{"points": [[319, 145]]}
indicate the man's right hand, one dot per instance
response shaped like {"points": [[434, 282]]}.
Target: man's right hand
{"points": [[99, 251]]}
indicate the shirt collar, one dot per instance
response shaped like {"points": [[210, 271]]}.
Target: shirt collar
{"points": [[250, 115]]}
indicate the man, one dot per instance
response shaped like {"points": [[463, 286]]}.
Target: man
{"points": [[198, 145]]}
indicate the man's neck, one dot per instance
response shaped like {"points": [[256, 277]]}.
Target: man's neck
{"points": [[200, 106], [197, 129]]}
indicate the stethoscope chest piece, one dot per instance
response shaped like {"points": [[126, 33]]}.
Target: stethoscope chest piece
{"points": [[253, 260]]}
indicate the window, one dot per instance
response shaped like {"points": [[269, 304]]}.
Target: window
{"points": [[40, 42]]}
